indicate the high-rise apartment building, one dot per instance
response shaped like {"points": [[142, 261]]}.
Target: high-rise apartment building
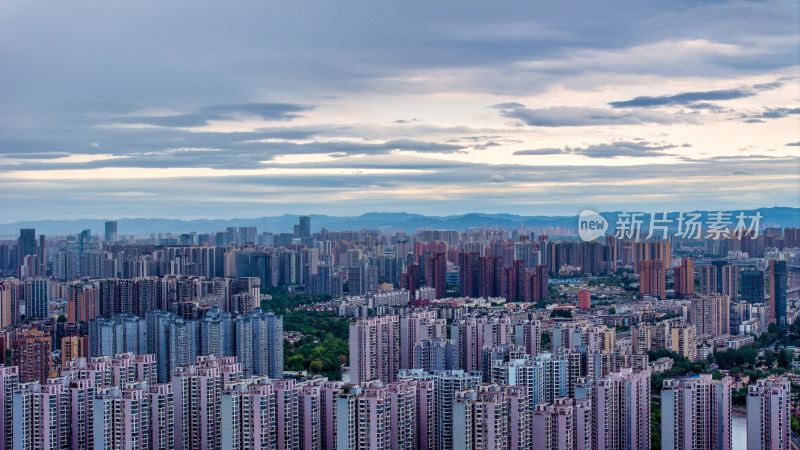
{"points": [[768, 414], [31, 352], [682, 340], [546, 376], [651, 251], [9, 302], [652, 280], [115, 406], [720, 278], [248, 416], [696, 413], [197, 392], [778, 285], [684, 278], [620, 409], [437, 394], [711, 315], [9, 385], [73, 347], [435, 274], [435, 354], [83, 302], [416, 328], [374, 349], [565, 424], [42, 415], [468, 274]]}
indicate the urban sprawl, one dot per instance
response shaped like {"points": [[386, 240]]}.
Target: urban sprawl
{"points": [[489, 338]]}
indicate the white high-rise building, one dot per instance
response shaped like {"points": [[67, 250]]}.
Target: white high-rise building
{"points": [[769, 414]]}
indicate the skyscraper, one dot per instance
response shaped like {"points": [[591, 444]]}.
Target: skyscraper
{"points": [[778, 285], [26, 243], [111, 232], [696, 413], [752, 286], [37, 298], [304, 230]]}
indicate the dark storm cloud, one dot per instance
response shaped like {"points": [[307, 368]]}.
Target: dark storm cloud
{"points": [[685, 98], [567, 116]]}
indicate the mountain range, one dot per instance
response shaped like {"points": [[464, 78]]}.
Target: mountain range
{"points": [[774, 216]]}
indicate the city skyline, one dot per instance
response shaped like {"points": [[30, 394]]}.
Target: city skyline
{"points": [[496, 338], [414, 225], [119, 111]]}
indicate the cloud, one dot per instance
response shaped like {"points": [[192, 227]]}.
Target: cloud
{"points": [[136, 81], [486, 145], [768, 86], [622, 148], [707, 106], [634, 148], [540, 151], [770, 113], [264, 111], [567, 116], [793, 144], [509, 105], [497, 178], [685, 98]]}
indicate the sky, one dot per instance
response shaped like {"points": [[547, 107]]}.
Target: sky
{"points": [[201, 109]]}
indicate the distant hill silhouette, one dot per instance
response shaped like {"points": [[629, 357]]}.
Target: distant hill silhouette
{"points": [[775, 216]]}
